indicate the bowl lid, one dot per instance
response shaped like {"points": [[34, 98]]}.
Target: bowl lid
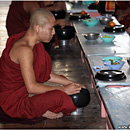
{"points": [[115, 29], [76, 16], [110, 75]]}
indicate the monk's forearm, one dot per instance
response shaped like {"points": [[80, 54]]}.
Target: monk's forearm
{"points": [[59, 79], [42, 88]]}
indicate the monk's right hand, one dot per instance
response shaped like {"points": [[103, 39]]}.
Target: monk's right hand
{"points": [[72, 88]]}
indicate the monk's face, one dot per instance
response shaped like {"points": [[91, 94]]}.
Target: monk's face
{"points": [[46, 33]]}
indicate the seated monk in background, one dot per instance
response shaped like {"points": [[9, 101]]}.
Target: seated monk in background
{"points": [[24, 65], [123, 14], [20, 11]]}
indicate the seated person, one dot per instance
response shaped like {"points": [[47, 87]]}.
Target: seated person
{"points": [[56, 6], [123, 14], [24, 65], [123, 8], [20, 11], [19, 14]]}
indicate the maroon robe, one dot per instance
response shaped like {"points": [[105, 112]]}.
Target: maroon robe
{"points": [[14, 98], [126, 20], [18, 19], [123, 5]]}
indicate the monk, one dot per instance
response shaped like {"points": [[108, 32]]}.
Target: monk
{"points": [[25, 65], [20, 11], [123, 9], [123, 14]]}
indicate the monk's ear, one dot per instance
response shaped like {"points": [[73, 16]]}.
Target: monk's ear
{"points": [[36, 28]]}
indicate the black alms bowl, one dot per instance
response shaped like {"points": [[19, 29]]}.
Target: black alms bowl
{"points": [[81, 99], [65, 33], [59, 14]]}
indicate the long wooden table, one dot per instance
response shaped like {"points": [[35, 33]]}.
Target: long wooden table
{"points": [[95, 50], [92, 53]]}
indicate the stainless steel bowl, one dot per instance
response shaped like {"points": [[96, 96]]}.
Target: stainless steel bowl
{"points": [[105, 20], [91, 36]]}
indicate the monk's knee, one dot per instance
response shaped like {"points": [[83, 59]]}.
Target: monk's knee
{"points": [[65, 101]]}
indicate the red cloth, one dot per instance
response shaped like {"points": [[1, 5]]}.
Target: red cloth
{"points": [[126, 20], [14, 98], [123, 4], [18, 19]]}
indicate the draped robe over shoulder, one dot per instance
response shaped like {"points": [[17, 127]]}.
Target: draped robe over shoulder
{"points": [[14, 98]]}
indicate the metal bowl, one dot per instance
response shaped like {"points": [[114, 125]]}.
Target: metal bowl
{"points": [[91, 36], [105, 20]]}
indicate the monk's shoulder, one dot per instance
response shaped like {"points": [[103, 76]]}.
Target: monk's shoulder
{"points": [[24, 49], [30, 6]]}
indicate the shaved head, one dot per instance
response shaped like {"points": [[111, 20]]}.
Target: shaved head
{"points": [[41, 17]]}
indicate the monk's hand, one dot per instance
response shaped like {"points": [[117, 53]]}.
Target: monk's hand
{"points": [[60, 22], [73, 88]]}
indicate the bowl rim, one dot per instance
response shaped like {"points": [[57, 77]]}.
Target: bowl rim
{"points": [[111, 36], [67, 27], [87, 20], [103, 59], [93, 33]]}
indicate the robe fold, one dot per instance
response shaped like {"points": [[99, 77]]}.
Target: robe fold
{"points": [[14, 98]]}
